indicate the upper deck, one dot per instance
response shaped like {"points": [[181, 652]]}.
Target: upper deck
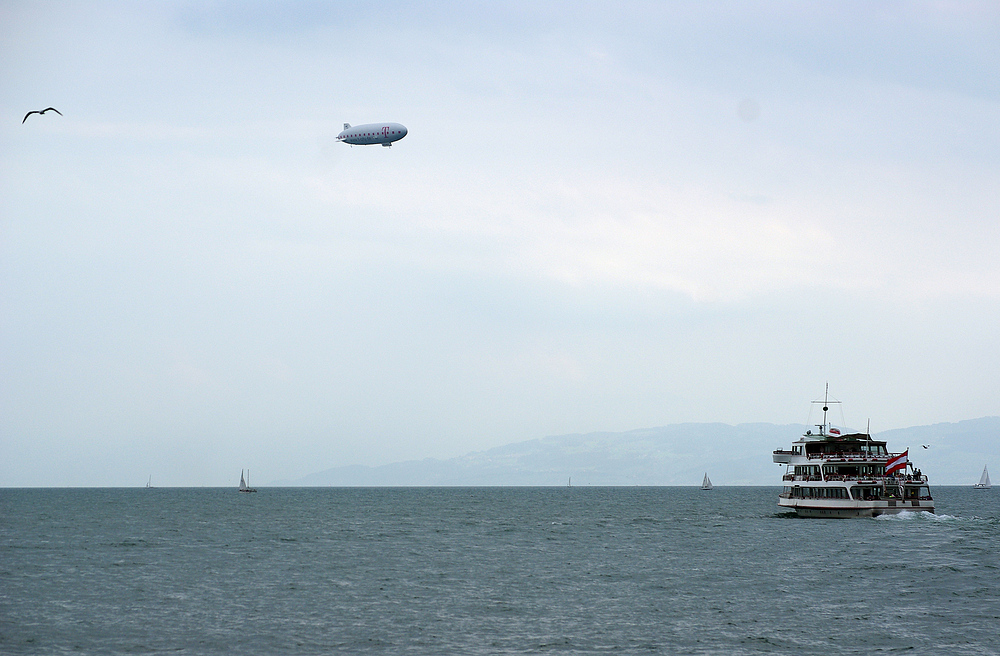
{"points": [[825, 446], [842, 457]]}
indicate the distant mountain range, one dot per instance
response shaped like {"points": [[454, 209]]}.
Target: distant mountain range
{"points": [[679, 454]]}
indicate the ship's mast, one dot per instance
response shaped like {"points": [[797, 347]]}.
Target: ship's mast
{"points": [[826, 406]]}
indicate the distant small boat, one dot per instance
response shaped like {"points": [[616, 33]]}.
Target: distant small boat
{"points": [[243, 484], [149, 483], [984, 481], [706, 484]]}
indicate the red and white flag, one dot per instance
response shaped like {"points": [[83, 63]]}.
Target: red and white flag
{"points": [[834, 431], [897, 463]]}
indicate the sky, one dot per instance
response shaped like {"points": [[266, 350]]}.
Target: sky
{"points": [[605, 216]]}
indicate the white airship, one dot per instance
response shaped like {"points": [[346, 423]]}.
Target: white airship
{"points": [[372, 133]]}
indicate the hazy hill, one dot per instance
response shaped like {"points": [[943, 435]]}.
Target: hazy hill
{"points": [[671, 455]]}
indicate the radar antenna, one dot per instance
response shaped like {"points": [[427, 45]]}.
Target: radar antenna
{"points": [[826, 406]]}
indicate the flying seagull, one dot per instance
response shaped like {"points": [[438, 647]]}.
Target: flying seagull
{"points": [[39, 112], [925, 445]]}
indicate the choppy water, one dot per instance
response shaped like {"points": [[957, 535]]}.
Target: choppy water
{"points": [[490, 571]]}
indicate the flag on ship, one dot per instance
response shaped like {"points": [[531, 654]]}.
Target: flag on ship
{"points": [[897, 463]]}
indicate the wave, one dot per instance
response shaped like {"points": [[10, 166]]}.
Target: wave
{"points": [[909, 516]]}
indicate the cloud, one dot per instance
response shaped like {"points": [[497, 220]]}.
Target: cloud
{"points": [[581, 231]]}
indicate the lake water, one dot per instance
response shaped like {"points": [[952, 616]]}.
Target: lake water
{"points": [[490, 571]]}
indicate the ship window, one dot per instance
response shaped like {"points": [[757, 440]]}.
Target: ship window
{"points": [[864, 493], [914, 492]]}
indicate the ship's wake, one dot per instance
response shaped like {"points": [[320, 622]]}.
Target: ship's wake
{"points": [[910, 516]]}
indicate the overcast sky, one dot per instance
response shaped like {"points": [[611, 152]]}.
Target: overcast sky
{"points": [[605, 216]]}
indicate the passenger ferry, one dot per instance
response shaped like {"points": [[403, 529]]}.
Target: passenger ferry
{"points": [[834, 473]]}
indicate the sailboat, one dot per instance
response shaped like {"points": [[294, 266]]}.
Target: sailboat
{"points": [[706, 484], [243, 484], [984, 481], [149, 483]]}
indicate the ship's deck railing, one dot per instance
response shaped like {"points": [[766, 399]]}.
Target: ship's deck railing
{"points": [[909, 478], [849, 456], [852, 456]]}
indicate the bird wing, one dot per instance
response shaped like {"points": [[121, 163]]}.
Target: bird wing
{"points": [[52, 109], [34, 111]]}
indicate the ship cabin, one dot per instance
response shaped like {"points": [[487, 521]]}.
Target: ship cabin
{"points": [[848, 457], [854, 445], [851, 448]]}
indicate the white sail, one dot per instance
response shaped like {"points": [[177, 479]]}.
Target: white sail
{"points": [[984, 481], [706, 484], [244, 487]]}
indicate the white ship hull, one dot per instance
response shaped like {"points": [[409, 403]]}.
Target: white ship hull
{"points": [[843, 508]]}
